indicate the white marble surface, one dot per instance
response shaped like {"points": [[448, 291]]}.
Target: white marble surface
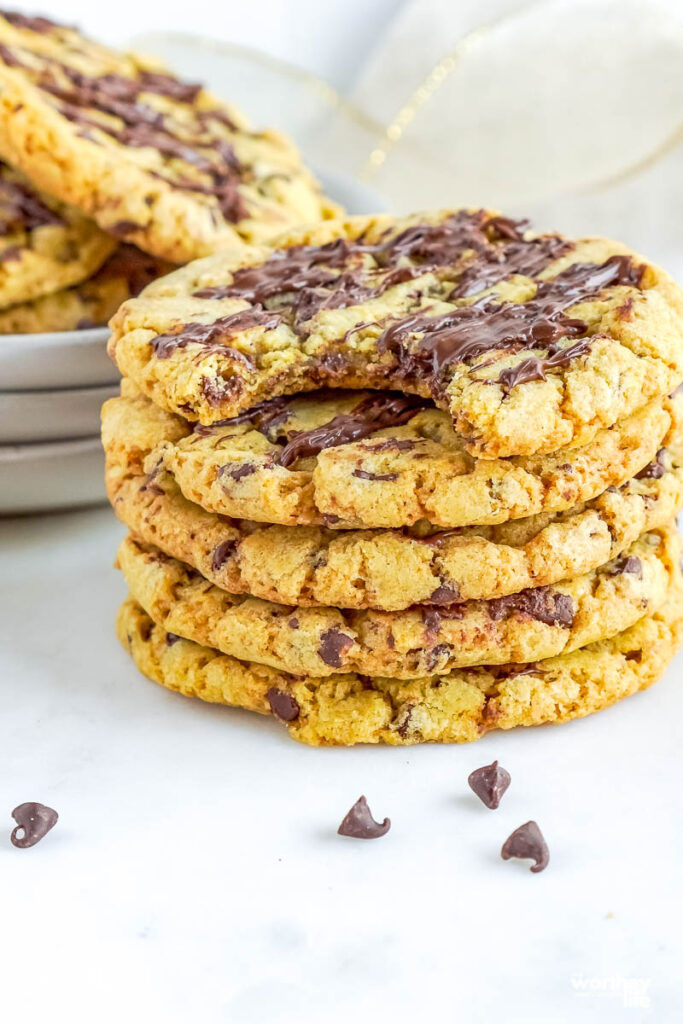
{"points": [[195, 873]]}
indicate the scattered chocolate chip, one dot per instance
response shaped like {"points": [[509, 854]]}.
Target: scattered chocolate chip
{"points": [[34, 821], [527, 843], [333, 645], [489, 783], [360, 824], [283, 705]]}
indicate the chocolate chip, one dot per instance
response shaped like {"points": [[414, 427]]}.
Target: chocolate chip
{"points": [[293, 623], [238, 472], [360, 824], [489, 783], [363, 474], [172, 638], [283, 705], [34, 821], [221, 553], [527, 843], [444, 595], [333, 644], [631, 565], [654, 470], [541, 603]]}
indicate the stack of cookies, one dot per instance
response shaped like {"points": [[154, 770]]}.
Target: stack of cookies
{"points": [[402, 480], [112, 172]]}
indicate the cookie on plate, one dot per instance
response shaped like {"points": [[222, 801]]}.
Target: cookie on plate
{"points": [[92, 302], [45, 245], [153, 160], [360, 459], [454, 708], [391, 569], [525, 627], [530, 343]]}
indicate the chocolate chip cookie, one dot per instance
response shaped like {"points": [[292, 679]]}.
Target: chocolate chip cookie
{"points": [[374, 460], [153, 160], [454, 708], [525, 627], [92, 302], [391, 569], [45, 245], [530, 343]]}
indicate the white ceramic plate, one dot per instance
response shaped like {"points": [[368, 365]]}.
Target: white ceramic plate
{"points": [[57, 475], [63, 359], [51, 415]]}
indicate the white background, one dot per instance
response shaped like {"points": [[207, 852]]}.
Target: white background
{"points": [[195, 873]]}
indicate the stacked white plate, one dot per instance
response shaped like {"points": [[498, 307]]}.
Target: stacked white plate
{"points": [[51, 389]]}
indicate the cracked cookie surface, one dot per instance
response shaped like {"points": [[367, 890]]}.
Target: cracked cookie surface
{"points": [[153, 160], [45, 245], [454, 708], [525, 627], [529, 343], [391, 569], [394, 476]]}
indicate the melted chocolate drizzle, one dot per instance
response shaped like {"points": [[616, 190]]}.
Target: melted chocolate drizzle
{"points": [[377, 412], [22, 210], [211, 336], [466, 333]]}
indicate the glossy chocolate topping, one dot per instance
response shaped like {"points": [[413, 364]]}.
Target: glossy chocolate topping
{"points": [[466, 333], [211, 336], [305, 272], [377, 412], [360, 824]]}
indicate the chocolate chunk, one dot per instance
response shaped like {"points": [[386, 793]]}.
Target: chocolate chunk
{"points": [[541, 603], [489, 783], [363, 474], [377, 412], [333, 645], [360, 824], [172, 638], [654, 470], [527, 843], [238, 472], [630, 565], [221, 553], [34, 821], [283, 705], [444, 595]]}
